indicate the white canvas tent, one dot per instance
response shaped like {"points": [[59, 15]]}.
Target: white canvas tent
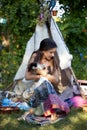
{"points": [[41, 32], [63, 53]]}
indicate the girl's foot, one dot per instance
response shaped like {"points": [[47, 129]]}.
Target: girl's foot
{"points": [[54, 116]]}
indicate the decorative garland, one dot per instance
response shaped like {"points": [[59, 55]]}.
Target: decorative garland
{"points": [[45, 11], [44, 16]]}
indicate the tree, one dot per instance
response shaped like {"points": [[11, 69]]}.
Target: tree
{"points": [[74, 29], [74, 21], [21, 16]]}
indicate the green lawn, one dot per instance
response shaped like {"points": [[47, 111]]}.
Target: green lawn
{"points": [[75, 120]]}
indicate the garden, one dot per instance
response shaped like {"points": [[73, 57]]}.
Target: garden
{"points": [[21, 19]]}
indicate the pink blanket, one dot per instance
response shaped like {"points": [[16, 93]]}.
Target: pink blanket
{"points": [[78, 101]]}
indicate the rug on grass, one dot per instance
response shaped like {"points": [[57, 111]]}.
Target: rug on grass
{"points": [[38, 120]]}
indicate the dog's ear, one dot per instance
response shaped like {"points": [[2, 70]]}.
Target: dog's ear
{"points": [[32, 65]]}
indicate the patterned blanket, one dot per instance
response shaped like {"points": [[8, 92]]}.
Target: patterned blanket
{"points": [[38, 120]]}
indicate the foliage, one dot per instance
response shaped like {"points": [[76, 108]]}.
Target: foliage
{"points": [[19, 15], [74, 22], [73, 26], [79, 62], [9, 64], [21, 21]]}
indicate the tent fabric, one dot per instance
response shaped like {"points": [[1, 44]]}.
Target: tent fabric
{"points": [[40, 33]]}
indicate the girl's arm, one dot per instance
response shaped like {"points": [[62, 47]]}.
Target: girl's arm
{"points": [[29, 75], [53, 78]]}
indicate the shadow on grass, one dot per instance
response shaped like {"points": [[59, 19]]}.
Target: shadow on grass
{"points": [[75, 120]]}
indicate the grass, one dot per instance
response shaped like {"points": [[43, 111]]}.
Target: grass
{"points": [[75, 120]]}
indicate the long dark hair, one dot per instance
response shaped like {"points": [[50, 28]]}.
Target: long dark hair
{"points": [[47, 44]]}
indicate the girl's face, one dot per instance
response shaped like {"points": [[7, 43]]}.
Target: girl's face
{"points": [[49, 54]]}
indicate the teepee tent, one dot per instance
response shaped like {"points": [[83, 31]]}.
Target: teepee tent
{"points": [[64, 56], [66, 74], [41, 32]]}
